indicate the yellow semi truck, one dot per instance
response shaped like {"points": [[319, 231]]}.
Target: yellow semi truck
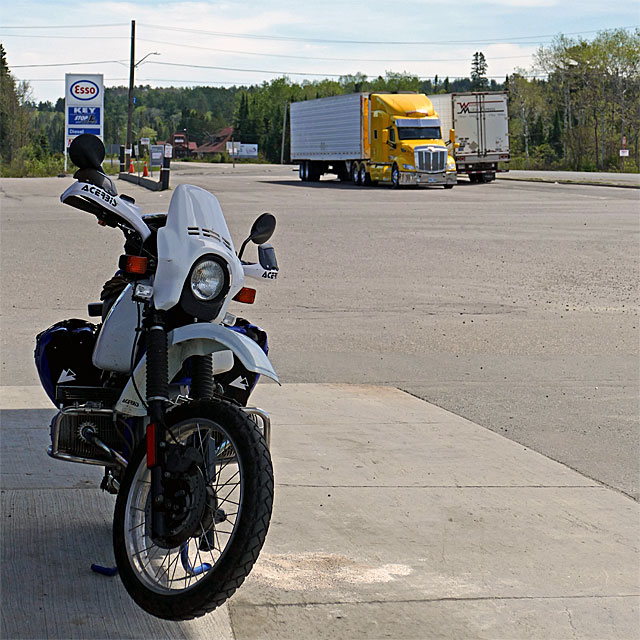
{"points": [[370, 138]]}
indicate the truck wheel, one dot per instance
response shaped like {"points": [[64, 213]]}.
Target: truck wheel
{"points": [[448, 186], [365, 178], [474, 177], [302, 170], [355, 173], [395, 177], [488, 177]]}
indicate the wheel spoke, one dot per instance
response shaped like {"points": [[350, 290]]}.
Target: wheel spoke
{"points": [[167, 571]]}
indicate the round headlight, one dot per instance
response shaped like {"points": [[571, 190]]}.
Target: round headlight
{"points": [[207, 280]]}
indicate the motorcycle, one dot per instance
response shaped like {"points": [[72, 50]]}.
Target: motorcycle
{"points": [[157, 393]]}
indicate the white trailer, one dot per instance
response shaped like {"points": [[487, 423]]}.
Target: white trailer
{"points": [[481, 123], [327, 131]]}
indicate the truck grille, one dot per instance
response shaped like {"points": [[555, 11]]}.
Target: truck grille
{"points": [[431, 160]]}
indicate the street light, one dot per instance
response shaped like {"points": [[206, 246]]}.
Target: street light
{"points": [[153, 53]]}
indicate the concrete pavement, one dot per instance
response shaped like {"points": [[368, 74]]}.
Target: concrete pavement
{"points": [[629, 180], [393, 519]]}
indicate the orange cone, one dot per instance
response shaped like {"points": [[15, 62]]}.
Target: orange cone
{"points": [[145, 171], [131, 170]]}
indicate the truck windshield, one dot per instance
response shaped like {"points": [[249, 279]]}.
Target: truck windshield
{"points": [[419, 133]]}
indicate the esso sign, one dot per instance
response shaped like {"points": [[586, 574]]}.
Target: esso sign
{"points": [[84, 90]]}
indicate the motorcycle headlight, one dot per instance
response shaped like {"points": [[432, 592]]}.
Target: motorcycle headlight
{"points": [[207, 279], [206, 287]]}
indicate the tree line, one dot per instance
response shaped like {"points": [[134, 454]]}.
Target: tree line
{"points": [[573, 116]]}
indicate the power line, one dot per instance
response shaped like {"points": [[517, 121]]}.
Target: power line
{"points": [[41, 35], [393, 42], [283, 73], [196, 66], [229, 83], [66, 26], [66, 64], [61, 80], [281, 55]]}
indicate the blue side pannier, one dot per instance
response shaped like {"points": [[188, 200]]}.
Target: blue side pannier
{"points": [[63, 356]]}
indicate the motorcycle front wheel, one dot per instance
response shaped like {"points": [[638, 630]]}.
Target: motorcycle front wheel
{"points": [[228, 509]]}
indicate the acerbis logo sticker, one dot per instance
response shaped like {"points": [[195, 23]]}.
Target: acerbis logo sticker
{"points": [[272, 275], [102, 194]]}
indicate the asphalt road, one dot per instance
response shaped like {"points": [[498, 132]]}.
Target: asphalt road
{"points": [[513, 304]]}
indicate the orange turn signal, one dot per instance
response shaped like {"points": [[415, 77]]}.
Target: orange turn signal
{"points": [[136, 264], [245, 295]]}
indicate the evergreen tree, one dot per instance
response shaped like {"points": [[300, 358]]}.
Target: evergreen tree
{"points": [[479, 71]]}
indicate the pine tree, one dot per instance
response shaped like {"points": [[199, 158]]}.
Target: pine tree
{"points": [[479, 71]]}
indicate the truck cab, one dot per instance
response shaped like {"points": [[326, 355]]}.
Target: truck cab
{"points": [[406, 142]]}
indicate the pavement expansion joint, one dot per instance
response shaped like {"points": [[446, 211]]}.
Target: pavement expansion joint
{"points": [[441, 486], [427, 600]]}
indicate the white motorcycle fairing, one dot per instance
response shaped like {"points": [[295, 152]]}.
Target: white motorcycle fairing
{"points": [[197, 340], [129, 212], [195, 227], [114, 345]]}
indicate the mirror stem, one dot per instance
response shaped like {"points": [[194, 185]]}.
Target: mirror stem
{"points": [[244, 244]]}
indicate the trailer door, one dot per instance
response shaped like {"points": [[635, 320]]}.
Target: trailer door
{"points": [[494, 123], [467, 123]]}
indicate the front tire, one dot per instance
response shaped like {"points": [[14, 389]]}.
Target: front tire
{"points": [[395, 177], [186, 579]]}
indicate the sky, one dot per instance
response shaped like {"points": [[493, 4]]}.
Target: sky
{"points": [[254, 41]]}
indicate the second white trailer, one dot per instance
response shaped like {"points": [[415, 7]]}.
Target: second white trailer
{"points": [[481, 123]]}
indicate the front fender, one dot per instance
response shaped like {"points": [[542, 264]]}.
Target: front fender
{"points": [[198, 339]]}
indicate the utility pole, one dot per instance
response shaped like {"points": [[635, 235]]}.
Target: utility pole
{"points": [[128, 147], [284, 131]]}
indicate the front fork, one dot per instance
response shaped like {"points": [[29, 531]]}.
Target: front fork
{"points": [[157, 399]]}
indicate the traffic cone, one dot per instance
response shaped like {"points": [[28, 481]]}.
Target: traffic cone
{"points": [[145, 171], [131, 169]]}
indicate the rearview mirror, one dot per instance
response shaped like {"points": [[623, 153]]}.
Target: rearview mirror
{"points": [[263, 228], [87, 152], [261, 231]]}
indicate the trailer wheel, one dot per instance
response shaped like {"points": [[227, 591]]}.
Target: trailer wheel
{"points": [[355, 173], [314, 171], [488, 177], [395, 177], [302, 170]]}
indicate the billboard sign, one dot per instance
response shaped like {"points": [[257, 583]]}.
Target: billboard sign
{"points": [[157, 155], [84, 106], [241, 150]]}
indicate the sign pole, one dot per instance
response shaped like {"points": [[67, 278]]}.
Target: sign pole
{"points": [[128, 147]]}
